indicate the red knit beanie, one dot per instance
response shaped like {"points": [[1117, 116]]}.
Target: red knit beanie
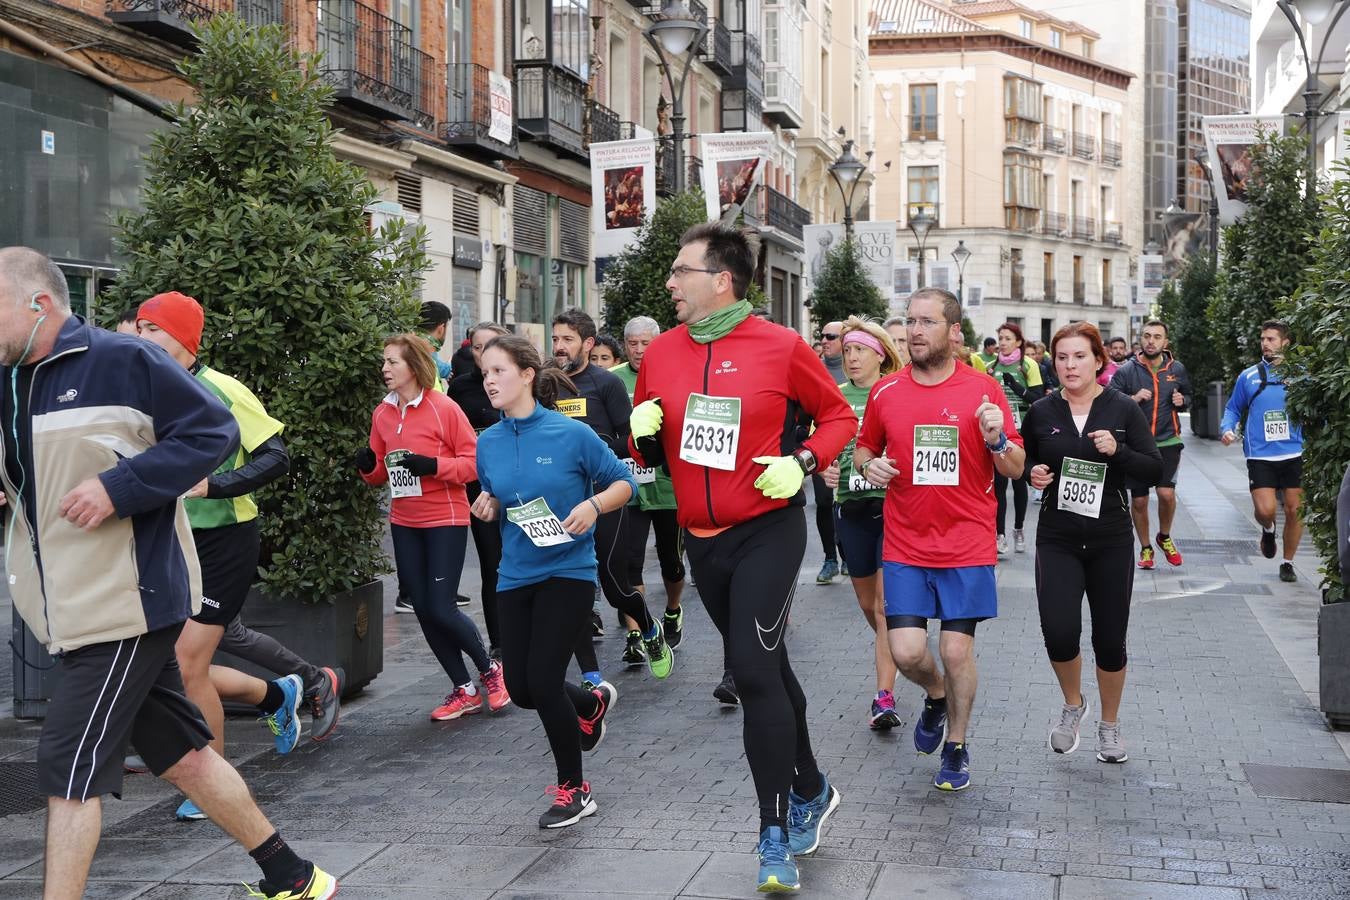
{"points": [[178, 314]]}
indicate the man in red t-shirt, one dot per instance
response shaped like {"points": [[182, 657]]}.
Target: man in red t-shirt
{"points": [[934, 434]]}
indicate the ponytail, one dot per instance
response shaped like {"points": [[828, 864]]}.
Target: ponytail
{"points": [[549, 383]]}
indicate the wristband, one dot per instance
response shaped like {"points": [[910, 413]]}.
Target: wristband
{"points": [[1001, 446], [596, 504]]}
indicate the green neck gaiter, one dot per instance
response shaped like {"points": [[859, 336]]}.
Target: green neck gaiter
{"points": [[720, 323]]}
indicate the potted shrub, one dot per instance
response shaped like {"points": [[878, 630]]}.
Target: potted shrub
{"points": [[1182, 305], [248, 209]]}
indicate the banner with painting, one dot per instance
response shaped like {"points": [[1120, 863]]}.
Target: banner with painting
{"points": [[623, 191], [733, 166], [1228, 141]]}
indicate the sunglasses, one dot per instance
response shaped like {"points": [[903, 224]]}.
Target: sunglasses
{"points": [[829, 337]]}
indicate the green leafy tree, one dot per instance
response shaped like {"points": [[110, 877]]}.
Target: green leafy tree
{"points": [[247, 208], [635, 281], [1318, 367], [968, 335], [1183, 304], [844, 288], [1266, 252]]}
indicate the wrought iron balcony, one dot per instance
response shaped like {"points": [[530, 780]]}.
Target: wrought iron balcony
{"points": [[1079, 293], [552, 106], [655, 9], [1049, 290], [665, 167], [1111, 152], [371, 62], [717, 48], [1083, 228], [785, 215], [1018, 285], [747, 64], [470, 104], [1084, 145], [1053, 224], [1052, 139], [605, 124], [1108, 295], [172, 20], [1112, 233]]}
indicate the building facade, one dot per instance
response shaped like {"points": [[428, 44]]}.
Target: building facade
{"points": [[1011, 138], [1279, 70]]}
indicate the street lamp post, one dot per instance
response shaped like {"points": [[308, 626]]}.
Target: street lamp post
{"points": [[1314, 12], [919, 225], [675, 36], [1203, 159], [847, 173], [961, 254]]}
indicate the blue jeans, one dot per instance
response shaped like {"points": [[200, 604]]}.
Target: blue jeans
{"points": [[430, 561]]}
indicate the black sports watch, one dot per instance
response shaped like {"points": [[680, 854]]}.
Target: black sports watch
{"points": [[807, 460]]}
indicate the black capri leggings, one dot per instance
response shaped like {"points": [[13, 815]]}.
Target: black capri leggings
{"points": [[539, 625], [1019, 500], [487, 540], [825, 516], [669, 543], [430, 561], [746, 576], [611, 553], [1105, 572]]}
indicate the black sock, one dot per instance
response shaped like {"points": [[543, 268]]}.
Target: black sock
{"points": [[280, 866], [808, 785], [272, 700], [940, 703], [1162, 537]]}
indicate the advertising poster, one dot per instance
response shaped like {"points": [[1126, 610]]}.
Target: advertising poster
{"points": [[623, 192], [1228, 140], [733, 166], [875, 239], [1152, 274], [906, 281], [499, 92]]}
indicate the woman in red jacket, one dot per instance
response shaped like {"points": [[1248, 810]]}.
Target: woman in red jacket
{"points": [[422, 445]]}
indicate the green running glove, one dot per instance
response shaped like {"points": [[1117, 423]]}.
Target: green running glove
{"points": [[782, 479], [646, 418]]}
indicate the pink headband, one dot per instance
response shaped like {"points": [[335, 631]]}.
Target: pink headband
{"points": [[858, 336]]}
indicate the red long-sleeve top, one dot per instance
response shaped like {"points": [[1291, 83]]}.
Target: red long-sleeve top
{"points": [[431, 425]]}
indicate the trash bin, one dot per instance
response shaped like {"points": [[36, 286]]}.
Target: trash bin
{"points": [[1216, 398], [35, 672]]}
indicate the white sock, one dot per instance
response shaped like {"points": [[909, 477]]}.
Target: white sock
{"points": [[470, 689], [1269, 530]]}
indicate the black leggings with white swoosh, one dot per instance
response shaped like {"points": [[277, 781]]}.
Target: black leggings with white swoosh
{"points": [[746, 576]]}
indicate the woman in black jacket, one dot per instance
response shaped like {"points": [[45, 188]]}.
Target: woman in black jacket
{"points": [[1082, 443]]}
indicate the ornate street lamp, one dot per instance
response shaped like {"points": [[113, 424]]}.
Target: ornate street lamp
{"points": [[847, 173], [676, 37], [919, 225], [1314, 12], [961, 254], [1202, 158]]}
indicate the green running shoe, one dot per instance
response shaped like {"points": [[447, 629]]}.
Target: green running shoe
{"points": [[673, 624], [660, 658]]}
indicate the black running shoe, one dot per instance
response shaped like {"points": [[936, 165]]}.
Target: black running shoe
{"points": [[570, 805], [403, 605], [673, 623], [1287, 572], [461, 600], [593, 727], [725, 692], [597, 626], [633, 654], [325, 702], [1268, 544]]}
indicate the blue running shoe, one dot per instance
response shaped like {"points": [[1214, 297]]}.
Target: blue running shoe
{"points": [[285, 721], [806, 817], [777, 869], [188, 812], [930, 730], [954, 773]]}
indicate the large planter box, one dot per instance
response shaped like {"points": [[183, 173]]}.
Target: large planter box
{"points": [[35, 673], [346, 631], [1333, 653]]}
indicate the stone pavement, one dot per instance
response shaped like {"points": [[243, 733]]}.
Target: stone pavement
{"points": [[1222, 672]]}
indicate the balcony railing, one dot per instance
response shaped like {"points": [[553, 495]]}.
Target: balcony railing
{"points": [[654, 9], [1053, 224], [1112, 234], [717, 50], [469, 107], [1079, 293], [1049, 290], [1018, 284], [1108, 295], [172, 20], [1084, 145], [371, 62], [747, 65], [604, 123], [1111, 152], [1084, 228], [552, 106], [785, 215], [665, 167], [783, 96], [923, 128], [1052, 139]]}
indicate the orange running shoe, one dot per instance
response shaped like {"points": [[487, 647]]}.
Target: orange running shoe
{"points": [[495, 685], [458, 704]]}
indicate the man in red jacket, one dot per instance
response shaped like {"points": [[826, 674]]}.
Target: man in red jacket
{"points": [[717, 402]]}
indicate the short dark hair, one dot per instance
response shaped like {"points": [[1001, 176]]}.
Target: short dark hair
{"points": [[578, 320], [1276, 325], [727, 249], [434, 315], [607, 340], [951, 307], [1118, 340], [129, 315], [1160, 324], [989, 342]]}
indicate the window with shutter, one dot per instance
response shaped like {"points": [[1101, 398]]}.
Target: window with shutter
{"points": [[574, 232], [465, 211], [409, 190], [530, 213]]}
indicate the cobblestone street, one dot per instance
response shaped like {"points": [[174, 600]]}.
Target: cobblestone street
{"points": [[1223, 671]]}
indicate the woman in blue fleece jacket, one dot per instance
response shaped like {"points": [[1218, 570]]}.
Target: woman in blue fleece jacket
{"points": [[538, 470]]}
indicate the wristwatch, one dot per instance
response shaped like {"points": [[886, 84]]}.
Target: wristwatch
{"points": [[807, 460]]}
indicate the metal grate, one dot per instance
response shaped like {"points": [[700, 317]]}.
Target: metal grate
{"points": [[530, 214], [1291, 783], [409, 190], [465, 212], [19, 789], [574, 232]]}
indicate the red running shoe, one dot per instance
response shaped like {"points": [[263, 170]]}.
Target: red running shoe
{"points": [[458, 704], [1169, 549], [1146, 558], [495, 685]]}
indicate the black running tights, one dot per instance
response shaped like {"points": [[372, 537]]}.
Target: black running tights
{"points": [[539, 623], [746, 576], [825, 516], [429, 562], [1019, 500], [487, 540], [1065, 570], [611, 552]]}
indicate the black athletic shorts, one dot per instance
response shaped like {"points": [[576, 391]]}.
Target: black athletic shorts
{"points": [[229, 561], [109, 694], [1275, 473], [1171, 460]]}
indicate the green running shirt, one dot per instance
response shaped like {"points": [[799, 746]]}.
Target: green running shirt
{"points": [[255, 427]]}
